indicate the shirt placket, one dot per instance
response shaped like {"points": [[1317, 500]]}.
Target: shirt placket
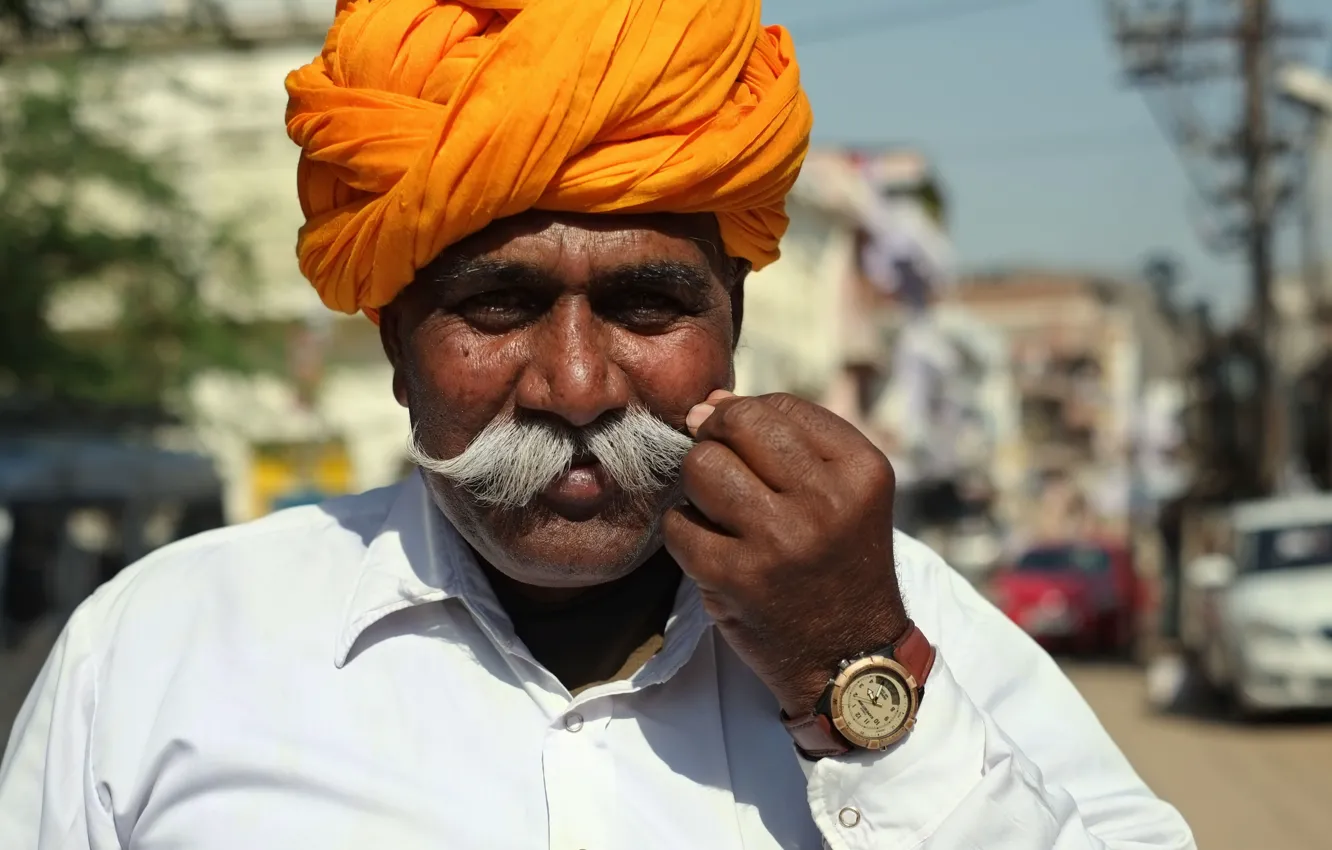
{"points": [[579, 771], [582, 752], [579, 755]]}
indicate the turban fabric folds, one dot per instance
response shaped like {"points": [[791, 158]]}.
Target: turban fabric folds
{"points": [[422, 121]]}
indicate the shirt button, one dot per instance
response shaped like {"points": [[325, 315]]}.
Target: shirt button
{"points": [[849, 817], [573, 722]]}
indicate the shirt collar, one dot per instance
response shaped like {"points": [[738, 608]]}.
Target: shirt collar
{"points": [[417, 557]]}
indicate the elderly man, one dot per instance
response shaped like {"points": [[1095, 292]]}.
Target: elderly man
{"points": [[621, 607]]}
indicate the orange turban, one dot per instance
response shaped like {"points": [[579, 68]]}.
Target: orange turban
{"points": [[424, 120]]}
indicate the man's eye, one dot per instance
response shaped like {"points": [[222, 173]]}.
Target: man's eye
{"points": [[500, 310], [647, 311]]}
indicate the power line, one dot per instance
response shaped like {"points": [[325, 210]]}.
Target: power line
{"points": [[1160, 45], [1058, 144], [820, 32]]}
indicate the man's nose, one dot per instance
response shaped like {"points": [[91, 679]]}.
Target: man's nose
{"points": [[572, 371]]}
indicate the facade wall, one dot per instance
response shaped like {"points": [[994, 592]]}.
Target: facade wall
{"points": [[793, 309]]}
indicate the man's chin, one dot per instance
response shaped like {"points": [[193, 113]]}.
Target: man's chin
{"points": [[542, 546], [561, 553]]}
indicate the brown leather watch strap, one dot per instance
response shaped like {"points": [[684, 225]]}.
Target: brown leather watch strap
{"points": [[814, 734], [914, 653]]}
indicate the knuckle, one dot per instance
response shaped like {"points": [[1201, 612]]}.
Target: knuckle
{"points": [[734, 490], [839, 501], [886, 475], [783, 402], [671, 532], [791, 538], [702, 460], [745, 413], [766, 505], [720, 605], [876, 474]]}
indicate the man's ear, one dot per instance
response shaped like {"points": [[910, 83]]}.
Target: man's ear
{"points": [[740, 274], [395, 348]]}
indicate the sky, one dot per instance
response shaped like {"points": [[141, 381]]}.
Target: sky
{"points": [[1049, 159]]}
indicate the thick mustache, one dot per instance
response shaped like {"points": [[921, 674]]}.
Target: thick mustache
{"points": [[512, 460]]}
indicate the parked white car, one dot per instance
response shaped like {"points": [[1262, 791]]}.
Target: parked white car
{"points": [[1264, 630]]}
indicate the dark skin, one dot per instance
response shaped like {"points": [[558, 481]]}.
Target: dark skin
{"points": [[787, 526]]}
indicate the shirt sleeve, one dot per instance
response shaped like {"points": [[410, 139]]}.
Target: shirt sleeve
{"points": [[48, 799], [1006, 754]]}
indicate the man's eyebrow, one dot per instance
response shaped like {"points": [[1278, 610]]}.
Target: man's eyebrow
{"points": [[657, 274], [653, 274], [459, 271]]}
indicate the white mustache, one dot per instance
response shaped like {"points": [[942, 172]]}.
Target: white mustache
{"points": [[511, 461]]}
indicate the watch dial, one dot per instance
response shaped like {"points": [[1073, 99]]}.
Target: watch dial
{"points": [[875, 705]]}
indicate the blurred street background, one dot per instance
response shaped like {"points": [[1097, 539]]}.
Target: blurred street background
{"points": [[1065, 261]]}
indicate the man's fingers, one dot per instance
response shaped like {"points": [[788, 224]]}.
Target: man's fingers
{"points": [[830, 435], [720, 485], [696, 543], [768, 441]]}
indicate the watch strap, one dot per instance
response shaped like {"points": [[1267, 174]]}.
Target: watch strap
{"points": [[915, 653], [814, 734]]}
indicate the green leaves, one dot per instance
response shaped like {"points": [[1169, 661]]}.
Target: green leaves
{"points": [[93, 226]]}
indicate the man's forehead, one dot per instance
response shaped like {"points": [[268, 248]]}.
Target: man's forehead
{"points": [[587, 244]]}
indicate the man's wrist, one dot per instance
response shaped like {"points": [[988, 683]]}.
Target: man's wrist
{"points": [[808, 691], [806, 702], [903, 789]]}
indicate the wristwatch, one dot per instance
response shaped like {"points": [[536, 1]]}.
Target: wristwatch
{"points": [[870, 704]]}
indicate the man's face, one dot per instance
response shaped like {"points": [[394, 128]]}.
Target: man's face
{"points": [[568, 324]]}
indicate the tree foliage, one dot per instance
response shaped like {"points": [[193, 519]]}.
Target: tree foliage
{"points": [[88, 214]]}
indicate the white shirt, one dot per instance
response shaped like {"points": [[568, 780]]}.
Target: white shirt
{"points": [[341, 676]]}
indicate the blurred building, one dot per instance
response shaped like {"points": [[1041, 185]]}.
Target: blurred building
{"points": [[855, 317], [819, 323], [1302, 314], [1096, 372], [328, 423]]}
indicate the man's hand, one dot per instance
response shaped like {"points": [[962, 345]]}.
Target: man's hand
{"points": [[788, 533]]}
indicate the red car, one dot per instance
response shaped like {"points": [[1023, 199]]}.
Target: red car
{"points": [[1073, 596]]}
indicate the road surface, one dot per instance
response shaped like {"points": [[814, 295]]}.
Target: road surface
{"points": [[1240, 787]]}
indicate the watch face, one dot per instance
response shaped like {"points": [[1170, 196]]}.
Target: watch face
{"points": [[876, 707]]}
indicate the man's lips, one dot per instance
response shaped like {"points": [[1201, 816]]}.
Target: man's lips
{"points": [[580, 492]]}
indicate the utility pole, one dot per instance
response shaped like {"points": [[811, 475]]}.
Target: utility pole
{"points": [[1256, 151], [1169, 48]]}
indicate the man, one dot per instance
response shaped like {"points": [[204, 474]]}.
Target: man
{"points": [[613, 611]]}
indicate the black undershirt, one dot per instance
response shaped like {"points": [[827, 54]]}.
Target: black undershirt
{"points": [[603, 634]]}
